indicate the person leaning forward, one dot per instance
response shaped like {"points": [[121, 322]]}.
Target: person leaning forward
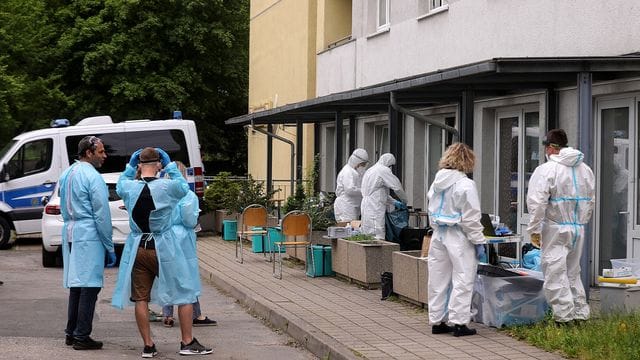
{"points": [[149, 252], [86, 236]]}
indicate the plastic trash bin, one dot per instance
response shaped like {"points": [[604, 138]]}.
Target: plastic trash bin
{"points": [[229, 230], [322, 264], [258, 241], [275, 235]]}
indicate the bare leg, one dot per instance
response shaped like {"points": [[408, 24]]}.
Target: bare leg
{"points": [[142, 319], [185, 313]]}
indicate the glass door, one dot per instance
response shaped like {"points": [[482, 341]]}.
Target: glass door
{"points": [[615, 178]]}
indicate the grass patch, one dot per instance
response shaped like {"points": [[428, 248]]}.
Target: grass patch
{"points": [[611, 337]]}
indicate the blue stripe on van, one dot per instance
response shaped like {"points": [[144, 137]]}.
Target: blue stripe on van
{"points": [[28, 196]]}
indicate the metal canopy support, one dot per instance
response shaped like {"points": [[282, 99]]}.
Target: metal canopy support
{"points": [[585, 141], [316, 151], [466, 117], [285, 140], [269, 159], [339, 145], [299, 138], [395, 140], [551, 109], [352, 134]]}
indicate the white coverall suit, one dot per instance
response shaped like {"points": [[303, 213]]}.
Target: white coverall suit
{"points": [[560, 200], [348, 195], [376, 183], [454, 215]]}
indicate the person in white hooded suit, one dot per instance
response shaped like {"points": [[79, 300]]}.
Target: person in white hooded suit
{"points": [[376, 183], [348, 195], [454, 215], [560, 201]]}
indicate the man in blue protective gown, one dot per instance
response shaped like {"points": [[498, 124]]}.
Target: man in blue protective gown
{"points": [[154, 266], [86, 237]]}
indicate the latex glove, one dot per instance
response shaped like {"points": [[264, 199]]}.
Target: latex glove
{"points": [[535, 240], [481, 254], [399, 205], [135, 159], [164, 157], [111, 259]]}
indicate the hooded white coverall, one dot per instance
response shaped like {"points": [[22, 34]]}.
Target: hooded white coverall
{"points": [[348, 195], [376, 183], [454, 215], [560, 200]]}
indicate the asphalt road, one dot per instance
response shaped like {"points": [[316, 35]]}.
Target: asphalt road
{"points": [[33, 310]]}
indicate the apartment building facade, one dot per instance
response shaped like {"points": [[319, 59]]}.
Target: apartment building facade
{"points": [[412, 76]]}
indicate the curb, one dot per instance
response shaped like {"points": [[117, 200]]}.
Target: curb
{"points": [[313, 339]]}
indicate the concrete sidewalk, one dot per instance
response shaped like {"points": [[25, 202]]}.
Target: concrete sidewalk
{"points": [[338, 320]]}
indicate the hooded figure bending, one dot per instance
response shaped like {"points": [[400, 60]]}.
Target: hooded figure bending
{"points": [[348, 195]]}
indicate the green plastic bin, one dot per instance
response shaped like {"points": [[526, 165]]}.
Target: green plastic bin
{"points": [[258, 241], [275, 235], [322, 257], [229, 230]]}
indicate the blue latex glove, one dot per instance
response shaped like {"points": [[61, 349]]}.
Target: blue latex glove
{"points": [[481, 254], [111, 259], [135, 159], [164, 157], [399, 205]]}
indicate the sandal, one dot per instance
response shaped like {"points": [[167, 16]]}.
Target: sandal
{"points": [[168, 321]]}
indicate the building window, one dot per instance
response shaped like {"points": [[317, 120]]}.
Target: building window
{"points": [[431, 7], [382, 20], [434, 4]]}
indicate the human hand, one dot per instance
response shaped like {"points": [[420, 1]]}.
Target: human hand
{"points": [[399, 205], [481, 254], [164, 157], [111, 259], [135, 159], [535, 240]]}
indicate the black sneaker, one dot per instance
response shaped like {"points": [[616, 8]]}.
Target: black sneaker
{"points": [[463, 330], [149, 351], [204, 322], [68, 340], [441, 328], [194, 348], [87, 344]]}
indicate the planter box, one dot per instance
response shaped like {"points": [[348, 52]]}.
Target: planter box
{"points": [[207, 221], [410, 276], [362, 261]]}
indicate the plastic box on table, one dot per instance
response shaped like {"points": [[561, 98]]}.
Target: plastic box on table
{"points": [[505, 301], [634, 264], [229, 230], [321, 266]]}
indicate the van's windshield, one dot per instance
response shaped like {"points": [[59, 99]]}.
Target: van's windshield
{"points": [[6, 148]]}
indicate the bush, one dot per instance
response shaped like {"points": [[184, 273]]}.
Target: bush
{"points": [[220, 192]]}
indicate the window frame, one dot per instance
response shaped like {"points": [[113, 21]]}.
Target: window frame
{"points": [[382, 27]]}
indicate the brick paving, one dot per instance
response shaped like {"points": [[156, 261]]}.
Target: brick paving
{"points": [[338, 320]]}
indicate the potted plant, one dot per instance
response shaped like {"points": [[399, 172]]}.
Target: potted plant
{"points": [[217, 196]]}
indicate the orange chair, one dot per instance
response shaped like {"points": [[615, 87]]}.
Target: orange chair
{"points": [[295, 223], [254, 215]]}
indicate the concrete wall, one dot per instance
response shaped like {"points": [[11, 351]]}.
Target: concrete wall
{"points": [[476, 30]]}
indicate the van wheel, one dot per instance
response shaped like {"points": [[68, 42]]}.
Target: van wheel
{"points": [[49, 258], [5, 234]]}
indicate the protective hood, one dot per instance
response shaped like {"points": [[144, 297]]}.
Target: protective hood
{"points": [[568, 157], [445, 178], [387, 160], [359, 156]]}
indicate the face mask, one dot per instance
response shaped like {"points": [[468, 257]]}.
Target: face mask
{"points": [[360, 170]]}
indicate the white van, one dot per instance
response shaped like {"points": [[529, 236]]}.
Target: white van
{"points": [[31, 163]]}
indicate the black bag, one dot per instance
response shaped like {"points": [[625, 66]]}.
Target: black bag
{"points": [[386, 284], [411, 238]]}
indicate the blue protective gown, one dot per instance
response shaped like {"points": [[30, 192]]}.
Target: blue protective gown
{"points": [[174, 284], [84, 204]]}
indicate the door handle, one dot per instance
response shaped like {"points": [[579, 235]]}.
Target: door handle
{"points": [[623, 212]]}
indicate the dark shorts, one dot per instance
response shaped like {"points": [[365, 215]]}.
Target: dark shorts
{"points": [[145, 270]]}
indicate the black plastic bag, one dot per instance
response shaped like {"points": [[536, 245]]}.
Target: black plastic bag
{"points": [[386, 284]]}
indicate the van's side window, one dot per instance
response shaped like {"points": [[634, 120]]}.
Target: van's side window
{"points": [[32, 158], [120, 146]]}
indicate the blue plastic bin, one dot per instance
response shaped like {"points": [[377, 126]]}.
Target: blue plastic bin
{"points": [[258, 241], [275, 235], [229, 230], [322, 257]]}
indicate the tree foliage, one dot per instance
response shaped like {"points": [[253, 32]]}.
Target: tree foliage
{"points": [[130, 59]]}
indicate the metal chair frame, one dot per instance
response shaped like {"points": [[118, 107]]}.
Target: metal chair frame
{"points": [[295, 223], [254, 215]]}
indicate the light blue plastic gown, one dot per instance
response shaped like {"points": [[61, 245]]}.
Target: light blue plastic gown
{"points": [[87, 223], [185, 219], [173, 285]]}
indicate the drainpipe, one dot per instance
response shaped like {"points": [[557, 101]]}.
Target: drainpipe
{"points": [[394, 104], [293, 154]]}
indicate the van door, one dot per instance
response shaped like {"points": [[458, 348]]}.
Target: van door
{"points": [[32, 173]]}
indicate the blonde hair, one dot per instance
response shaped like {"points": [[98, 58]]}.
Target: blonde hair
{"points": [[459, 157]]}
